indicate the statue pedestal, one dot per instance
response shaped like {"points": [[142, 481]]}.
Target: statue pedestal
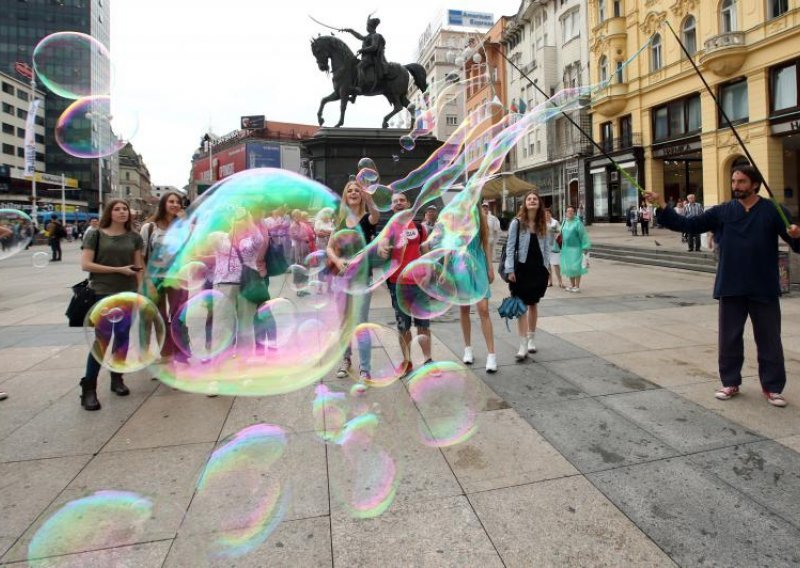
{"points": [[334, 154]]}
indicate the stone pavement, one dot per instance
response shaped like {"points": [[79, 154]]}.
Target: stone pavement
{"points": [[607, 449]]}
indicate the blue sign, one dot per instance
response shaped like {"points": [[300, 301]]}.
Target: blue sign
{"points": [[263, 155], [470, 19]]}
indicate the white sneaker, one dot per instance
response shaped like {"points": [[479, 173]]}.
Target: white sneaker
{"points": [[491, 363], [531, 345], [468, 358], [522, 354], [576, 290]]}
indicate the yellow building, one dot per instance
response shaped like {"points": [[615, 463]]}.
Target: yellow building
{"points": [[656, 118]]}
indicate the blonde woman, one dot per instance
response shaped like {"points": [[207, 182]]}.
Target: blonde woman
{"points": [[357, 212], [528, 266]]}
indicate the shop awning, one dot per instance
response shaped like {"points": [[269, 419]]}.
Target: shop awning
{"points": [[515, 187]]}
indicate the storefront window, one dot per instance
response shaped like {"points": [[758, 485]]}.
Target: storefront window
{"points": [[630, 195], [600, 192]]}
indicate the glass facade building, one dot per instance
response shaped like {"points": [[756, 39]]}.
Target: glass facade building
{"points": [[23, 24]]}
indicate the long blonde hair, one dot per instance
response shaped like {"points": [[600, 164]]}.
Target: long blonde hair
{"points": [[344, 209], [539, 223]]}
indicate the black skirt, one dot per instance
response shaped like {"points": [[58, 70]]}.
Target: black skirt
{"points": [[532, 276]]}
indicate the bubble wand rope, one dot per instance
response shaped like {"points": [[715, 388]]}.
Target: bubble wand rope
{"points": [[588, 136], [730, 125]]}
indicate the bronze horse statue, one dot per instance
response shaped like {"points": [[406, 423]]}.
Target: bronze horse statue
{"points": [[344, 65]]}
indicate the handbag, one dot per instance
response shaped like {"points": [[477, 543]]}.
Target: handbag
{"points": [[501, 269], [511, 308], [83, 297], [251, 284]]}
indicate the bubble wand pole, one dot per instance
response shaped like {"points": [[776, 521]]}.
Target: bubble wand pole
{"points": [[724, 115]]}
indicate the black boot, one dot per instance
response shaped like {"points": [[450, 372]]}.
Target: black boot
{"points": [[118, 386], [89, 395]]}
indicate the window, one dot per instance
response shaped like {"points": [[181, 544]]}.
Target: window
{"points": [[452, 120], [22, 113], [8, 88], [656, 60], [689, 32], [20, 132], [607, 136], [727, 16], [784, 87], [601, 10], [20, 152], [571, 26], [8, 149], [8, 109], [777, 8], [8, 129], [733, 98], [626, 131], [603, 66], [617, 8], [22, 95], [677, 118], [39, 138], [127, 175], [619, 73]]}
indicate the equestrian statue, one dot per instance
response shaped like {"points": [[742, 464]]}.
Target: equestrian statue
{"points": [[368, 76]]}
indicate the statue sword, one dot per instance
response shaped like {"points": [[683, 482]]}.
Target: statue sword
{"points": [[316, 21]]}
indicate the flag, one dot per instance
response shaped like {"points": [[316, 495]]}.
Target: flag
{"points": [[523, 108], [30, 138], [513, 107], [23, 69]]}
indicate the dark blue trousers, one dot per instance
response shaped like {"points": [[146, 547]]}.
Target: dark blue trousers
{"points": [[766, 319]]}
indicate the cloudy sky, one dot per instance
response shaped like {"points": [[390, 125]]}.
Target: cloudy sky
{"points": [[186, 65]]}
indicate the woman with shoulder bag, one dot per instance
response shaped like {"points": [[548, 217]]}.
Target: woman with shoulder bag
{"points": [[112, 255], [528, 268], [357, 212], [168, 295]]}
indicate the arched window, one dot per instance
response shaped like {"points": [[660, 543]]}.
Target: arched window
{"points": [[689, 33], [603, 65], [727, 16], [656, 57]]}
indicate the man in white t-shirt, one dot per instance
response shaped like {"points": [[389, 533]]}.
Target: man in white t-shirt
{"points": [[494, 227]]}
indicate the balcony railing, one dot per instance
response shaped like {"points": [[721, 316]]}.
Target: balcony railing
{"points": [[617, 144], [722, 41]]}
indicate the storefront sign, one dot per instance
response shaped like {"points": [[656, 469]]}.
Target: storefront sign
{"points": [[674, 150], [790, 127]]}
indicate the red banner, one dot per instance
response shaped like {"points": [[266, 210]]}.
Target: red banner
{"points": [[223, 164]]}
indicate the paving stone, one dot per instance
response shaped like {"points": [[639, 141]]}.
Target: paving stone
{"points": [[531, 385], [171, 421], [439, 532], [678, 422], [592, 437], [291, 411], [166, 476], [697, 518], [71, 360], [792, 442], [601, 342], [659, 366], [597, 377], [550, 347], [305, 542], [563, 522], [28, 487], [149, 555], [17, 359], [505, 451], [767, 472]]}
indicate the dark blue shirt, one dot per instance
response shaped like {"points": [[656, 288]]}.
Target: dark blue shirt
{"points": [[748, 245]]}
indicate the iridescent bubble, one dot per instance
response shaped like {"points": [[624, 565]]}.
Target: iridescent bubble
{"points": [[95, 127], [367, 163], [40, 259], [395, 158], [381, 196], [363, 474], [453, 276], [279, 317], [250, 493], [367, 176], [297, 277], [330, 412], [205, 325], [193, 276], [358, 389], [73, 65], [125, 332], [407, 142], [379, 350], [449, 398], [16, 232], [477, 58], [102, 520]]}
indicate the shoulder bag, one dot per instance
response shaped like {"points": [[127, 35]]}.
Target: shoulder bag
{"points": [[83, 297], [251, 284]]}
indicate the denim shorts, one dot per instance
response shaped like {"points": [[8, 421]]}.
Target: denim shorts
{"points": [[402, 318]]}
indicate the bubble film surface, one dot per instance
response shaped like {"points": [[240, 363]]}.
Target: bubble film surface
{"points": [[16, 232], [64, 63], [95, 127]]}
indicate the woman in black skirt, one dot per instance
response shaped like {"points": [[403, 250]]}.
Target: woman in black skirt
{"points": [[528, 266]]}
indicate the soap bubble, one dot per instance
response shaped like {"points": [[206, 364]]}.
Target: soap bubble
{"points": [[40, 259], [379, 350], [367, 176], [125, 332], [204, 327], [407, 142], [95, 127], [367, 163], [73, 65], [20, 226]]}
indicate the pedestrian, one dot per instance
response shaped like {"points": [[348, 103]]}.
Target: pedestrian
{"points": [[553, 231], [55, 232], [645, 215], [528, 266], [746, 231], [479, 249], [94, 222], [692, 209], [429, 221], [303, 243], [112, 254], [357, 212], [169, 295], [402, 256], [494, 229], [633, 220], [575, 246]]}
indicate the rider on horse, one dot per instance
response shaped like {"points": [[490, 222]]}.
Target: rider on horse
{"points": [[372, 66]]}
